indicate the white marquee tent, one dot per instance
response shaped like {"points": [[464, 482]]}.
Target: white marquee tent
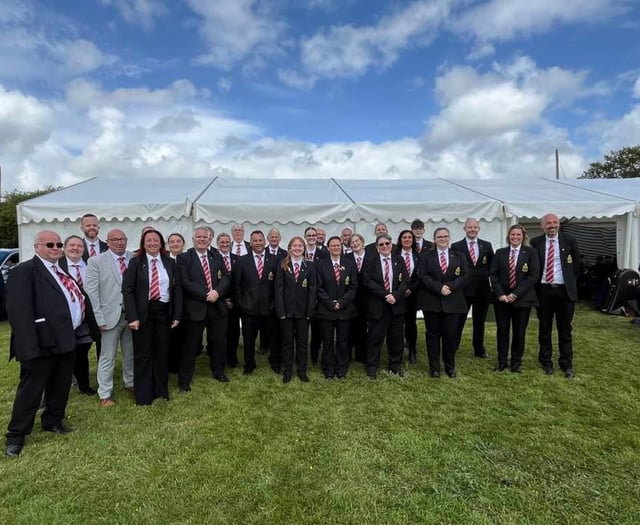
{"points": [[291, 204]]}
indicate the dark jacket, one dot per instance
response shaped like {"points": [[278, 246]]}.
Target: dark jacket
{"points": [[432, 279], [373, 283], [331, 292], [527, 275], [569, 259], [254, 296], [478, 276], [296, 299]]}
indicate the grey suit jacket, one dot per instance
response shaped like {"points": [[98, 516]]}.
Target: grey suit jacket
{"points": [[103, 284]]}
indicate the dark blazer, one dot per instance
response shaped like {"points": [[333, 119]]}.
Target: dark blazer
{"points": [[373, 282], [432, 279], [426, 246], [39, 314], [361, 293], [233, 259], [135, 288], [372, 248], [194, 284], [414, 280], [103, 248], [527, 275], [330, 292], [569, 259], [296, 299], [282, 253], [252, 295], [318, 254], [478, 277]]}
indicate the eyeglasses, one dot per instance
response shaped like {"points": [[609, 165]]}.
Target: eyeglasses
{"points": [[442, 236], [117, 239], [384, 244], [52, 244]]}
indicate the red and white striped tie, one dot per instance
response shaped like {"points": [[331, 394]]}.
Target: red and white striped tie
{"points": [[550, 256], [78, 275], [259, 266], [154, 291], [238, 250], [443, 263], [71, 286], [512, 270], [296, 271], [359, 262], [472, 252], [336, 272], [207, 272], [227, 263], [92, 250], [387, 279], [123, 265], [407, 262]]}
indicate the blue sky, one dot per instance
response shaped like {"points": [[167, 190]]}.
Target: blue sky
{"points": [[317, 88]]}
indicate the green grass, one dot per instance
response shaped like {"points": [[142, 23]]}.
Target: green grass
{"points": [[484, 448]]}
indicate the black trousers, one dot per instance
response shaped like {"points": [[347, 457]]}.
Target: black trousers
{"points": [[176, 340], [389, 327], [233, 337], [480, 305], [81, 366], [441, 336], [216, 326], [554, 302], [509, 317], [335, 352], [275, 344], [294, 334], [358, 338], [50, 375], [316, 339], [251, 325], [411, 328], [151, 355]]}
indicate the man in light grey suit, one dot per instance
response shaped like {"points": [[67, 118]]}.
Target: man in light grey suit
{"points": [[104, 287]]}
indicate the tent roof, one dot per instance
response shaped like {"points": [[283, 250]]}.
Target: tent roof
{"points": [[532, 198], [402, 200], [623, 188], [268, 201], [116, 198]]}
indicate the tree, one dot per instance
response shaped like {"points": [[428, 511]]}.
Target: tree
{"points": [[621, 164], [8, 218]]}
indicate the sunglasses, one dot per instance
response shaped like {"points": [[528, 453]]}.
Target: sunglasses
{"points": [[53, 244], [384, 244]]}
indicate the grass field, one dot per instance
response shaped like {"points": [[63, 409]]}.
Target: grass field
{"points": [[484, 448]]}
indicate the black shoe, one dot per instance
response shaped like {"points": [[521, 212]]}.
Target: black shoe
{"points": [[303, 377], [286, 377], [88, 391], [314, 361], [413, 357], [500, 368], [399, 372], [341, 376], [264, 351], [516, 369], [452, 374], [60, 428], [222, 378], [185, 389], [13, 450], [327, 376], [435, 374], [247, 371], [276, 369], [569, 373], [481, 355], [548, 369], [373, 377]]}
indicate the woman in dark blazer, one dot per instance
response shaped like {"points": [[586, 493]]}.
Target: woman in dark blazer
{"points": [[443, 274], [152, 296], [337, 287], [358, 328], [407, 249], [514, 273], [295, 302]]}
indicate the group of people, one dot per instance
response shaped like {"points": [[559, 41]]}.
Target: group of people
{"points": [[334, 300]]}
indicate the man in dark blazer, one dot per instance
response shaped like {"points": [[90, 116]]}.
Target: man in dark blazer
{"points": [[203, 307], [313, 252], [557, 292], [385, 280], [46, 311], [239, 246], [443, 274], [274, 237], [230, 260], [92, 244], [422, 244], [477, 292], [253, 292]]}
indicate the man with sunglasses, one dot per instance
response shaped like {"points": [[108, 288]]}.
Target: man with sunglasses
{"points": [[46, 310]]}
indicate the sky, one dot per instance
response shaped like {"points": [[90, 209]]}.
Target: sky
{"points": [[457, 89]]}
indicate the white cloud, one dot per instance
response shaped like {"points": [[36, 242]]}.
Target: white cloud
{"points": [[347, 51], [237, 30], [25, 123], [139, 12], [501, 20], [296, 80], [636, 89], [224, 85]]}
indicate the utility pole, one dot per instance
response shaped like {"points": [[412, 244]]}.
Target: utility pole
{"points": [[557, 165]]}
